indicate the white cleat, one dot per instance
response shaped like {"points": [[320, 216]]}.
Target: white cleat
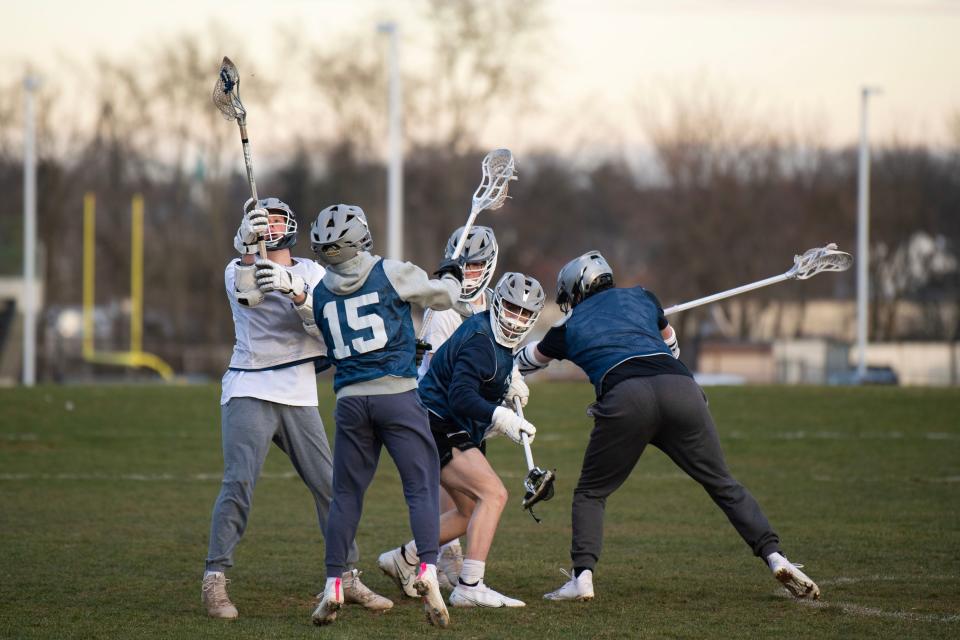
{"points": [[789, 575], [394, 565], [450, 564], [355, 592], [429, 589], [481, 595], [330, 602], [213, 595], [576, 588]]}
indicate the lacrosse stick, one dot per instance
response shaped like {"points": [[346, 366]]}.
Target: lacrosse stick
{"points": [[499, 169], [811, 263], [226, 97], [539, 482]]}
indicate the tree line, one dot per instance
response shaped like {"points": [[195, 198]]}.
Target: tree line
{"points": [[718, 197]]}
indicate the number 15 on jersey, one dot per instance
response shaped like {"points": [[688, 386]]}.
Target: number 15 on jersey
{"points": [[356, 327]]}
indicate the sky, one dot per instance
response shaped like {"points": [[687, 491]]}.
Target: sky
{"points": [[795, 64]]}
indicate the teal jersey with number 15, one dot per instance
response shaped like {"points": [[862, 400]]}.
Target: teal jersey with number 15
{"points": [[369, 332]]}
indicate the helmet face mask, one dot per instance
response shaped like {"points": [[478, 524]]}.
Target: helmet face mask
{"points": [[515, 308], [282, 230], [339, 233], [481, 249], [582, 277]]}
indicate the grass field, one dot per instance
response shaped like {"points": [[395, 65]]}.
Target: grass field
{"points": [[105, 498]]}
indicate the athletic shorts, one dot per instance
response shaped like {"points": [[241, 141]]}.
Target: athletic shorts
{"points": [[449, 436]]}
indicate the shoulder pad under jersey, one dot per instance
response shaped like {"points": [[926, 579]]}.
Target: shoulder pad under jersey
{"points": [[562, 321]]}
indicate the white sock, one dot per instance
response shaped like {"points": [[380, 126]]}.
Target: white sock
{"points": [[211, 573], [409, 553], [472, 572], [453, 543], [775, 557], [329, 585]]}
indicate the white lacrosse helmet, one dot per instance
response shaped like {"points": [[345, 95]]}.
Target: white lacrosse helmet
{"points": [[517, 303], [339, 233], [582, 277], [479, 248], [276, 238]]}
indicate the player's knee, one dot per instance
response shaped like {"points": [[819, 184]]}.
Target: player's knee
{"points": [[498, 494], [726, 490], [235, 485], [590, 494]]}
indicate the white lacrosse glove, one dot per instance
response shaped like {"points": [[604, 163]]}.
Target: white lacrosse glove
{"points": [[254, 225], [245, 285], [275, 277], [517, 389], [507, 423]]}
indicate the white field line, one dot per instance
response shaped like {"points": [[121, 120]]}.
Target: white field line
{"points": [[884, 578], [839, 435], [674, 475], [18, 437], [733, 434], [871, 479], [874, 612], [505, 474], [135, 477]]}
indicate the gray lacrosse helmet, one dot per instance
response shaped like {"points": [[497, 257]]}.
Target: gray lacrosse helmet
{"points": [[480, 248], [339, 233], [517, 303], [582, 277], [276, 239]]}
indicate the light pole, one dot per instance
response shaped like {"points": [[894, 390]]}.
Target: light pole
{"points": [[863, 234], [30, 85], [395, 160]]}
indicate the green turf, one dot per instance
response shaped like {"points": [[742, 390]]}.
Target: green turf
{"points": [[105, 498]]}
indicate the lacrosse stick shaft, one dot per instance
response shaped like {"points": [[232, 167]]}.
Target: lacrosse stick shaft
{"points": [[527, 453], [248, 161], [677, 308], [518, 407], [461, 243]]}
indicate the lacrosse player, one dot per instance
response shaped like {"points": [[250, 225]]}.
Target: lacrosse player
{"points": [[479, 260], [362, 308], [645, 395], [469, 377], [270, 394]]}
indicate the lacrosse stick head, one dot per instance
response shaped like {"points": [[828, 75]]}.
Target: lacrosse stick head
{"points": [[499, 169], [814, 261], [539, 488], [226, 92]]}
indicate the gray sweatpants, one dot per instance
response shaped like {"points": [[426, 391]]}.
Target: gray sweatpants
{"points": [[364, 425], [670, 412], [247, 427]]}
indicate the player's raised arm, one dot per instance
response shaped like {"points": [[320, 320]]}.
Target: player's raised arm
{"points": [[414, 285]]}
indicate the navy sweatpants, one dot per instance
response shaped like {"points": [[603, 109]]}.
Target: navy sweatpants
{"points": [[364, 425], [669, 412]]}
